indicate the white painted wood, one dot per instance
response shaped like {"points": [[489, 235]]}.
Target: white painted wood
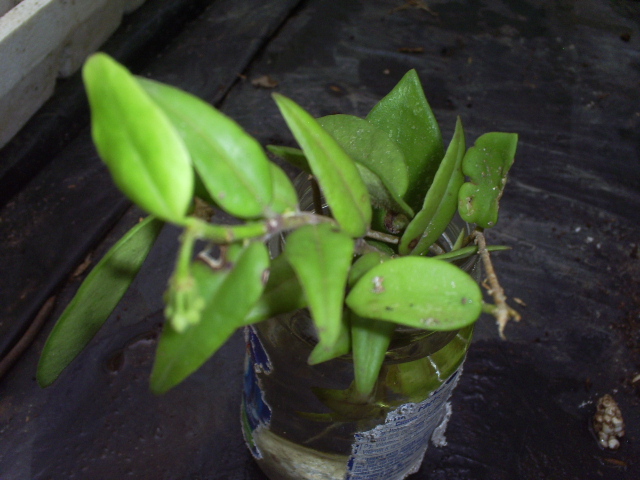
{"points": [[43, 39], [6, 5]]}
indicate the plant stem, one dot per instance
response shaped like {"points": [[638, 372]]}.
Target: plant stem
{"points": [[383, 237]]}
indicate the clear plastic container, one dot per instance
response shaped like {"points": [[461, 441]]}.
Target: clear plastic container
{"points": [[305, 422]]}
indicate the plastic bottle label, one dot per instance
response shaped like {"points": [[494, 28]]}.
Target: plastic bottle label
{"points": [[395, 449], [256, 412]]}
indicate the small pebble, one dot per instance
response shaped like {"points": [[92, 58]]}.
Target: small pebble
{"points": [[608, 423]]}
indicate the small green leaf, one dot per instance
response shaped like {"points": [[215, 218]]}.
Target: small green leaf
{"points": [[232, 165], [95, 300], [321, 258], [466, 252], [336, 172], [486, 164], [370, 147], [441, 201], [370, 340], [419, 292], [145, 155], [405, 115], [282, 293], [230, 293]]}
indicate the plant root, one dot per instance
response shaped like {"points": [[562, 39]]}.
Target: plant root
{"points": [[501, 310]]}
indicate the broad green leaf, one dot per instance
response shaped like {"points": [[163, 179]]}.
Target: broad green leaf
{"points": [[285, 198], [144, 153], [230, 293], [486, 164], [441, 201], [282, 293], [96, 298], [232, 165], [380, 195], [294, 156], [363, 264], [370, 340], [321, 258], [419, 292], [336, 172], [370, 147], [405, 115]]}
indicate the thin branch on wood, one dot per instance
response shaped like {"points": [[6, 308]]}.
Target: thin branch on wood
{"points": [[28, 337]]}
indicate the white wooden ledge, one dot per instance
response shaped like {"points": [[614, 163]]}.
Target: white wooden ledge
{"points": [[41, 40]]}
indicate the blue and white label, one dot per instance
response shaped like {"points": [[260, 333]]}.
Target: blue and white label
{"points": [[395, 449], [256, 412]]}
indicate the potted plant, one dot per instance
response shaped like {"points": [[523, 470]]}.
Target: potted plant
{"points": [[357, 286]]}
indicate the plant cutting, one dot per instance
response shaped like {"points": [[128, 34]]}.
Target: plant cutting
{"points": [[365, 268]]}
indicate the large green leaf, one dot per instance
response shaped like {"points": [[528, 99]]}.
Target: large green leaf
{"points": [[230, 292], [232, 165], [441, 201], [419, 292], [144, 153], [381, 196], [285, 197], [336, 172], [370, 340], [282, 293], [321, 258], [95, 300], [486, 164], [370, 147], [405, 115]]}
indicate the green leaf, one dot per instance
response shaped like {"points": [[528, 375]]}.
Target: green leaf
{"points": [[379, 193], [321, 258], [441, 201], [324, 351], [419, 292], [145, 155], [294, 156], [230, 293], [466, 252], [344, 190], [96, 298], [282, 293], [370, 147], [405, 115], [370, 340], [232, 165], [486, 164], [285, 198]]}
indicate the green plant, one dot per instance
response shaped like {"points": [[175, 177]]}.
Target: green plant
{"points": [[374, 262]]}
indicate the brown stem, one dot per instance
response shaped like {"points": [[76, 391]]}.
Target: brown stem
{"points": [[502, 311]]}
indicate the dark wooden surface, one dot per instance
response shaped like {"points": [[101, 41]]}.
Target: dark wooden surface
{"points": [[565, 75]]}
